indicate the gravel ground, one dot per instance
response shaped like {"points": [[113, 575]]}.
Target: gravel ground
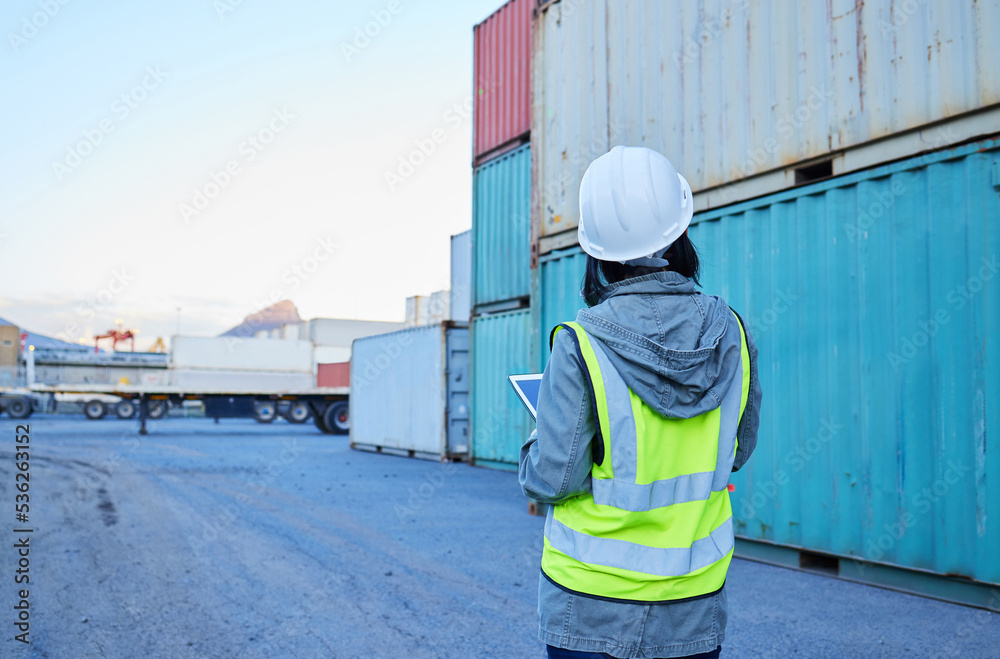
{"points": [[245, 540]]}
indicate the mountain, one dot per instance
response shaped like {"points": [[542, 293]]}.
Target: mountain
{"points": [[276, 315]]}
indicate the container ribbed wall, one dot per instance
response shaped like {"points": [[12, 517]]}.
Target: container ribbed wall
{"points": [[501, 228], [874, 299], [560, 280], [500, 424], [502, 78], [399, 390]]}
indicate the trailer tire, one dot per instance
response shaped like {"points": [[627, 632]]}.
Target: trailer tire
{"points": [[94, 409], [156, 409], [19, 408], [319, 412], [265, 411], [337, 418], [125, 409], [298, 412]]}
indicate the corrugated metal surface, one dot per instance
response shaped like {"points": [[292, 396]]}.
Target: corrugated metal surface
{"points": [[874, 302], [502, 78], [461, 276], [501, 228], [399, 395], [500, 423], [560, 282], [732, 90], [228, 352]]}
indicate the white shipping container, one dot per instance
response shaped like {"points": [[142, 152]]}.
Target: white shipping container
{"points": [[439, 308], [461, 277], [331, 355], [416, 311], [233, 353], [291, 332], [410, 391], [233, 381], [342, 333], [734, 90]]}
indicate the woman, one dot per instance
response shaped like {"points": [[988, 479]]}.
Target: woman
{"points": [[649, 401]]}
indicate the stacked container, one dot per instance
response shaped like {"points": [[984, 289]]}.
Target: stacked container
{"points": [[501, 232], [849, 206]]}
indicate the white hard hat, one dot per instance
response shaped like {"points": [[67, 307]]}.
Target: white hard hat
{"points": [[633, 204]]}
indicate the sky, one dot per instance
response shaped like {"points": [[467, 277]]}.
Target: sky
{"points": [[219, 155]]}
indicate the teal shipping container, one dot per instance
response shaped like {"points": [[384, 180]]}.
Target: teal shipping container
{"points": [[874, 299], [500, 424], [560, 279], [501, 228]]}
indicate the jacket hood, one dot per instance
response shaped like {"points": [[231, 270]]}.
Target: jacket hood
{"points": [[677, 349]]}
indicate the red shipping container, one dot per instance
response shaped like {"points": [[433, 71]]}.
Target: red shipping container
{"points": [[334, 375], [502, 79]]}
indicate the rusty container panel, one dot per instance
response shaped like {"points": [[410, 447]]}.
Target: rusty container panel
{"points": [[502, 74], [732, 90]]}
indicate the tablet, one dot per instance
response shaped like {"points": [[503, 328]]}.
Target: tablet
{"points": [[526, 387]]}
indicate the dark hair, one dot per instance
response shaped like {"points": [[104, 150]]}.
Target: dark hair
{"points": [[683, 259]]}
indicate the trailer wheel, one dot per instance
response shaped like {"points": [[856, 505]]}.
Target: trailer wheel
{"points": [[264, 411], [298, 412], [94, 410], [319, 414], [19, 408], [337, 418], [125, 409], [156, 409]]}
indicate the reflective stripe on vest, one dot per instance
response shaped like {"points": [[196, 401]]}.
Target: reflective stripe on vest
{"points": [[657, 524]]}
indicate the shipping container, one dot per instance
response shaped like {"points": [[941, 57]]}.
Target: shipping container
{"points": [[500, 424], [461, 276], [560, 282], [501, 228], [331, 354], [440, 307], [333, 375], [727, 92], [293, 332], [873, 299], [233, 353], [409, 392], [502, 79], [424, 310], [416, 311], [339, 332]]}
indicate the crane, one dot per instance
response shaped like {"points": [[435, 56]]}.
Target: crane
{"points": [[116, 335]]}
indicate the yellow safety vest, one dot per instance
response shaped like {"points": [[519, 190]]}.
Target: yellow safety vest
{"points": [[657, 525]]}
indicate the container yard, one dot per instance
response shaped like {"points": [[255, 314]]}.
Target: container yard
{"points": [[299, 439]]}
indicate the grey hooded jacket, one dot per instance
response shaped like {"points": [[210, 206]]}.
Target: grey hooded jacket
{"points": [[679, 351]]}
